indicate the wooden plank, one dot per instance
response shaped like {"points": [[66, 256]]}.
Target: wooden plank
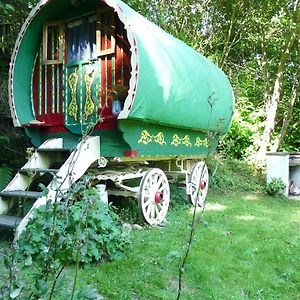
{"points": [[9, 221], [38, 171], [53, 149], [21, 194]]}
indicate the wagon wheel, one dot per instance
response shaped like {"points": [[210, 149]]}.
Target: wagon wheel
{"points": [[198, 183], [154, 196]]}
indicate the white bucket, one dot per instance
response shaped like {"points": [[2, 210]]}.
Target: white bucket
{"points": [[101, 188]]}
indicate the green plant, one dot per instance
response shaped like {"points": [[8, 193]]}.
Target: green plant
{"points": [[275, 186], [5, 177], [233, 175], [84, 227], [80, 230], [119, 91]]}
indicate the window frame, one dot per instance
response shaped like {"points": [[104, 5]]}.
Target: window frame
{"points": [[112, 30], [61, 40]]}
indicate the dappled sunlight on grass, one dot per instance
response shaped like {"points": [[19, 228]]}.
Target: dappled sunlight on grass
{"points": [[251, 197], [209, 207], [246, 218], [215, 207]]}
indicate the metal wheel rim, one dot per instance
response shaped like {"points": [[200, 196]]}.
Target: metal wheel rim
{"points": [[195, 179], [154, 181]]}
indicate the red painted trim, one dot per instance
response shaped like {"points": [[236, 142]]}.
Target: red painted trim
{"points": [[131, 153], [52, 119], [43, 91], [49, 89], [54, 122], [53, 129]]}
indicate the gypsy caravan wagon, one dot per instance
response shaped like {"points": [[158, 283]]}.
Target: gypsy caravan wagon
{"points": [[148, 106]]}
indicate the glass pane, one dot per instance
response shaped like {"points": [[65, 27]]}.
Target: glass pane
{"points": [[52, 43], [82, 39]]}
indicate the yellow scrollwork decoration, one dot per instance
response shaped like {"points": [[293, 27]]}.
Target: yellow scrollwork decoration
{"points": [[200, 142], [147, 138], [181, 141], [176, 140], [89, 106], [160, 139], [186, 141], [73, 106]]}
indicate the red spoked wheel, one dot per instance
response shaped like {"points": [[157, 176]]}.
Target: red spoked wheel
{"points": [[154, 196], [198, 183]]}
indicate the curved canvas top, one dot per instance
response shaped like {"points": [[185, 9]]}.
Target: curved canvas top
{"points": [[171, 84]]}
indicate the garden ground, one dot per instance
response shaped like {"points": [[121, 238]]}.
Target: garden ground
{"points": [[246, 247]]}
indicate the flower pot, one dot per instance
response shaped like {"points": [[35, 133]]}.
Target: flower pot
{"points": [[116, 107]]}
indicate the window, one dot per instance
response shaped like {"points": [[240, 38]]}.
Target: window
{"points": [[82, 39], [106, 42], [53, 43]]}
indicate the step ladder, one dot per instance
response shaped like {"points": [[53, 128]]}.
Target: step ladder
{"points": [[74, 163]]}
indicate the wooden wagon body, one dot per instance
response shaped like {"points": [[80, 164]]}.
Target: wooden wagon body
{"points": [[98, 67]]}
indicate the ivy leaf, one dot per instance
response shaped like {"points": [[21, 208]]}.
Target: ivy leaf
{"points": [[15, 293], [9, 7], [28, 261]]}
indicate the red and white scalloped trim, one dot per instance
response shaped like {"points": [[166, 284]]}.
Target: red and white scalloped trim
{"points": [[134, 60]]}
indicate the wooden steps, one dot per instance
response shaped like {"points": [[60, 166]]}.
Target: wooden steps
{"points": [[51, 158], [9, 221], [21, 194], [38, 171], [66, 150]]}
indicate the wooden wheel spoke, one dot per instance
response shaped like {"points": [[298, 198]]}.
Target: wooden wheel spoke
{"points": [[163, 187], [153, 182], [152, 212], [147, 202], [159, 182], [149, 208], [198, 174]]}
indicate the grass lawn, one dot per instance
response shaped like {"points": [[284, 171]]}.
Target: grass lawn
{"points": [[249, 249]]}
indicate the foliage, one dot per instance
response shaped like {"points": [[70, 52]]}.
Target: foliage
{"points": [[13, 15], [247, 40], [238, 140], [87, 228], [275, 186], [81, 230], [127, 209], [249, 249], [233, 175], [5, 177]]}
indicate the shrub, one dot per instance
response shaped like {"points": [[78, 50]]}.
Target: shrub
{"points": [[5, 177], [83, 230], [275, 186]]}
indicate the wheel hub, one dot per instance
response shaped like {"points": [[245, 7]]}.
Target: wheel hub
{"points": [[158, 197], [202, 184]]}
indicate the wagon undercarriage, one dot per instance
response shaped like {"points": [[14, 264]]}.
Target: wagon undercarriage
{"points": [[147, 181]]}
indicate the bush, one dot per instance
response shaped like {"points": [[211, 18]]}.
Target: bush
{"points": [[5, 177], [233, 175], [275, 186], [85, 231]]}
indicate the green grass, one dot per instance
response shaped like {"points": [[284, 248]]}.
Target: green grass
{"points": [[248, 250]]}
